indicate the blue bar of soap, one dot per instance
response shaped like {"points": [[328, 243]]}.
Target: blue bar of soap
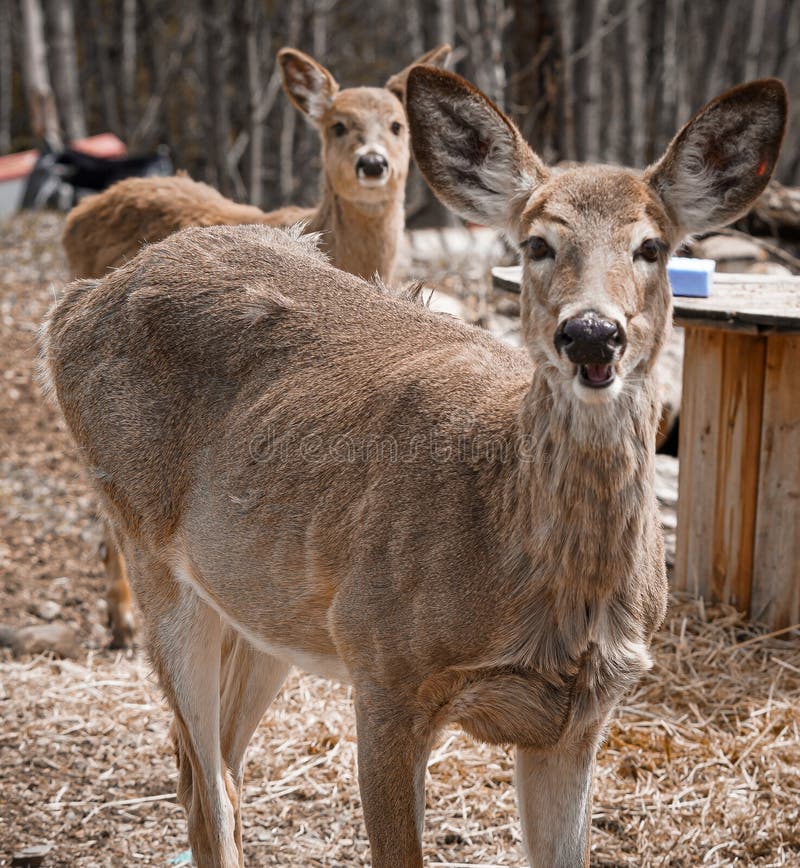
{"points": [[690, 276]]}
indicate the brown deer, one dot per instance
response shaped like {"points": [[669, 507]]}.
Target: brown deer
{"points": [[347, 482], [365, 158]]}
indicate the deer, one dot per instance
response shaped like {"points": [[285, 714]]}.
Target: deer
{"points": [[365, 159], [360, 218], [330, 477]]}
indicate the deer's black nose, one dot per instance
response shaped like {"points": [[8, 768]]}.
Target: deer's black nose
{"points": [[372, 165], [589, 339]]}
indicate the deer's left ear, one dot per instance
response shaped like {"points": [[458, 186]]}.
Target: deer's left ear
{"points": [[308, 84], [436, 57], [471, 154], [720, 162]]}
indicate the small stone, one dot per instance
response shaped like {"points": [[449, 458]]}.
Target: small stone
{"points": [[56, 638], [7, 636], [48, 610], [31, 857]]}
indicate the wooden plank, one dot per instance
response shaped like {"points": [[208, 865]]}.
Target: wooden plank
{"points": [[697, 479], [751, 303], [738, 443], [745, 301], [776, 575]]}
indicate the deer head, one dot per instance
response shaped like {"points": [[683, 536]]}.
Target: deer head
{"points": [[364, 132], [594, 240]]}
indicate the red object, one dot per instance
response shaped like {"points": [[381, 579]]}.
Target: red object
{"points": [[19, 165]]}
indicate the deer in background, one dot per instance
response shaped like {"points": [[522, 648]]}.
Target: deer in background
{"points": [[499, 562], [365, 157]]}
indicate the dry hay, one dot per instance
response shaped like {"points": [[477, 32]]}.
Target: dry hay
{"points": [[701, 765]]}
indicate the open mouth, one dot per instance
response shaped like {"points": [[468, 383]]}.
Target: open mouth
{"points": [[371, 180], [596, 376]]}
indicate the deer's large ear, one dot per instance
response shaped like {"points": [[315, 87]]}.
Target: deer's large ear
{"points": [[720, 162], [437, 57], [308, 84], [470, 153]]}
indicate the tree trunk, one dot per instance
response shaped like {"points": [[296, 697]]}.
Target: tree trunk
{"points": [[255, 92], [44, 115], [447, 22], [536, 60], [108, 96], [755, 39], [566, 46], [634, 57], [6, 72], [65, 68], [669, 81], [289, 120], [146, 131], [128, 66], [589, 80], [217, 41]]}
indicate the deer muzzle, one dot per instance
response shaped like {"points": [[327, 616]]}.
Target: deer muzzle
{"points": [[594, 344], [372, 168]]}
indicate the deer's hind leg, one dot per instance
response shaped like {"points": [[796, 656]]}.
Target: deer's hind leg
{"points": [[250, 681], [118, 595], [185, 640]]}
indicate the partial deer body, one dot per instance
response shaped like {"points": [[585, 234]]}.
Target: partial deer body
{"points": [[360, 219], [346, 482], [365, 154]]}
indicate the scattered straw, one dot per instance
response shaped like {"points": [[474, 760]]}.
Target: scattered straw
{"points": [[701, 766]]}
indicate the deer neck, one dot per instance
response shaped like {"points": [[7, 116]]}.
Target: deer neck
{"points": [[362, 238], [584, 493]]}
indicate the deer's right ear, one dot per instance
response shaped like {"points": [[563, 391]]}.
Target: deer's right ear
{"points": [[722, 160], [470, 153], [308, 84]]}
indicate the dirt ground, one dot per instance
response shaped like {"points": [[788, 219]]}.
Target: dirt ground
{"points": [[701, 766]]}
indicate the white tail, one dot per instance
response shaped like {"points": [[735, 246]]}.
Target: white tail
{"points": [[347, 482]]}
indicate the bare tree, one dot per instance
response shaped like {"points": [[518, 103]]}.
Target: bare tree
{"points": [[217, 44], [104, 77], [165, 77], [65, 67], [255, 92], [536, 60], [634, 60], [128, 76], [289, 119], [6, 75], [43, 111], [589, 80]]}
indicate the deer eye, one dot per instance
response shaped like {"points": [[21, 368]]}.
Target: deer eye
{"points": [[649, 250], [339, 129], [396, 128], [539, 249]]}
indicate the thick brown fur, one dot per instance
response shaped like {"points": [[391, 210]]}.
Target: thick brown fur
{"points": [[464, 531], [361, 226]]}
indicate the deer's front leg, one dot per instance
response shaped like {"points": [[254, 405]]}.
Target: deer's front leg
{"points": [[554, 793], [392, 757]]}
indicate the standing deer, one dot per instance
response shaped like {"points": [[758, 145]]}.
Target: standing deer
{"points": [[365, 156], [465, 532]]}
